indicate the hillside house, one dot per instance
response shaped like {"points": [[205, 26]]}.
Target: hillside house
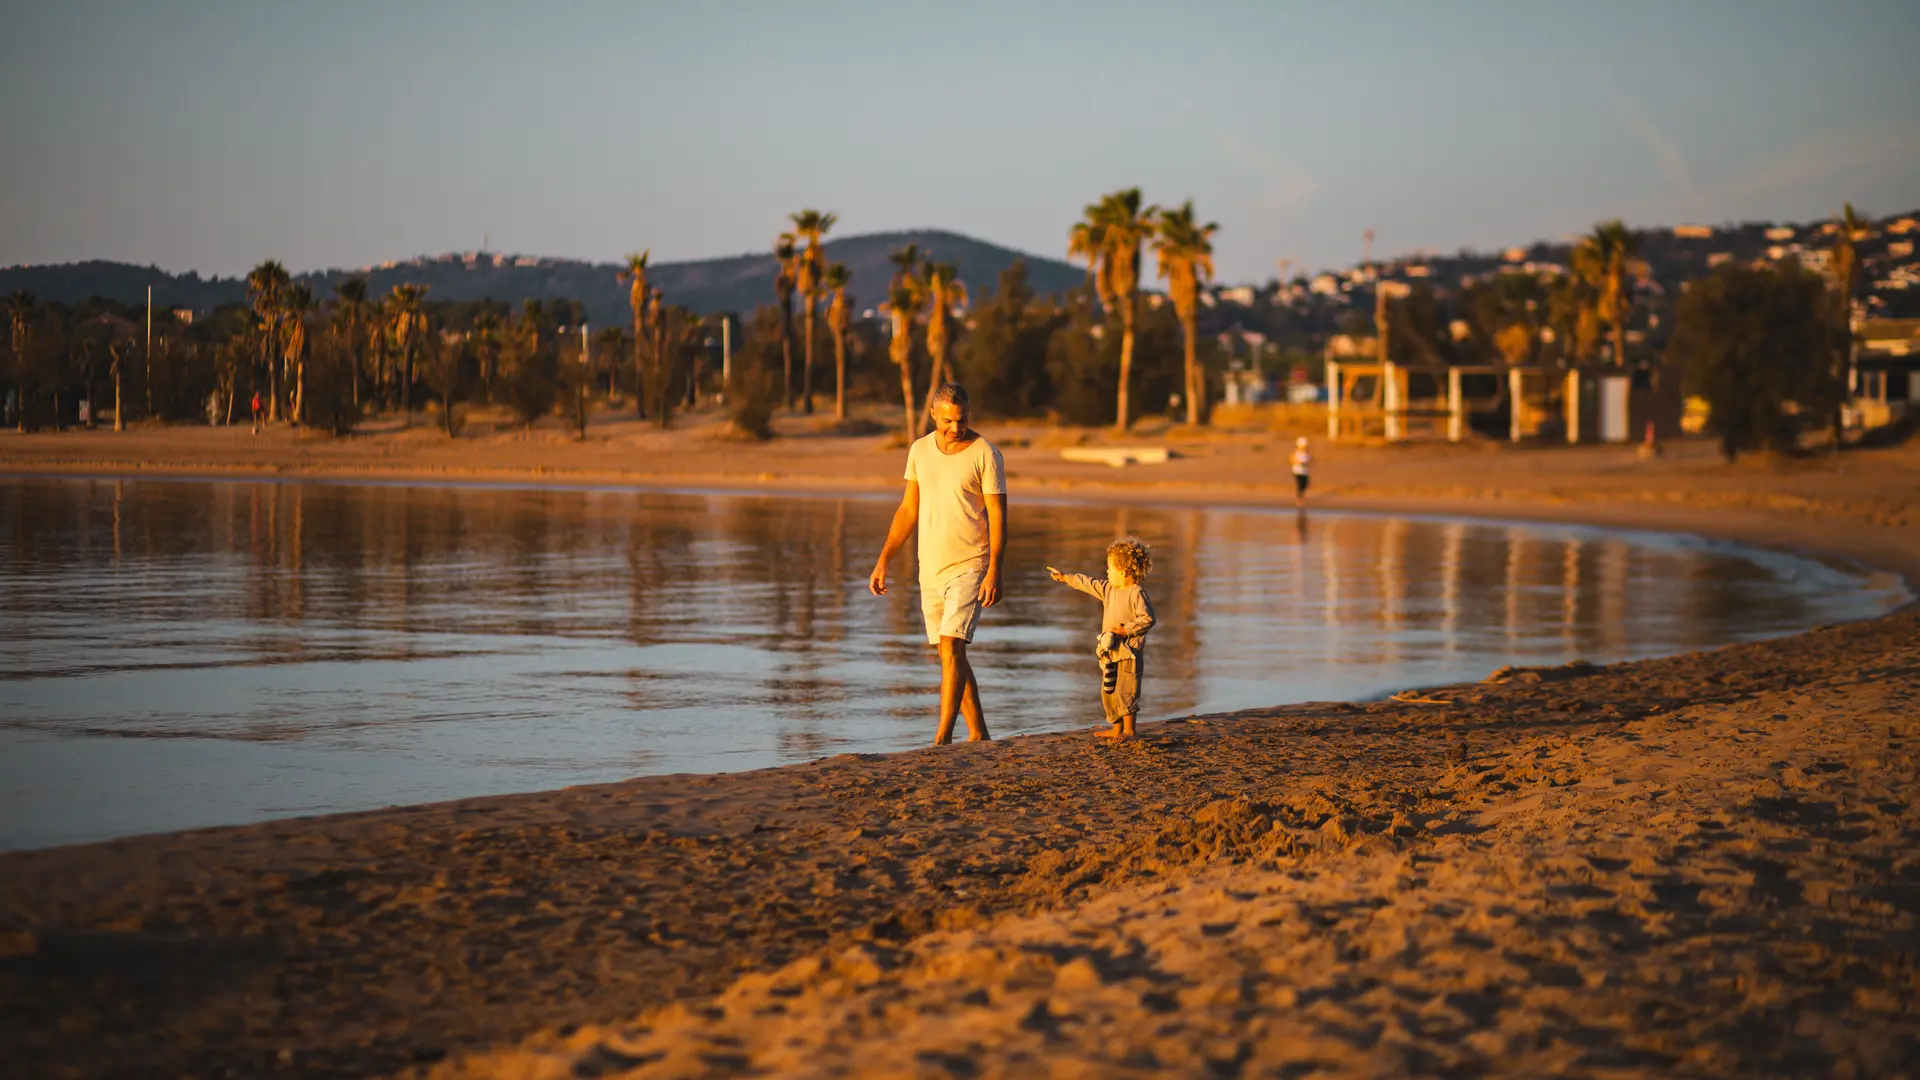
{"points": [[1693, 232], [1780, 232]]}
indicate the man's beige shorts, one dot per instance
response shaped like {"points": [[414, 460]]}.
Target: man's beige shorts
{"points": [[952, 607]]}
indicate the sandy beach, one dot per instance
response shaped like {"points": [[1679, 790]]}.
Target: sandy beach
{"points": [[1702, 865]]}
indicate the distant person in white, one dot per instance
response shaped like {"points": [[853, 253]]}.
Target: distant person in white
{"points": [[957, 497], [1302, 461]]}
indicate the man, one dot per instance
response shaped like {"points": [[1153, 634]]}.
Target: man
{"points": [[957, 497]]}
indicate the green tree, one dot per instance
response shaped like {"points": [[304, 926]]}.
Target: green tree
{"points": [[810, 227], [1846, 266], [1605, 259], [609, 343], [638, 293], [22, 313], [1756, 342], [1108, 239], [406, 312], [944, 292], [1184, 248], [786, 278], [266, 288], [528, 367], [839, 316], [1003, 358], [350, 314], [905, 297], [1082, 365]]}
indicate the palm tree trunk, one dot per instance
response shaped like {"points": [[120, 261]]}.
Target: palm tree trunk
{"points": [[1126, 373], [786, 351], [119, 413], [1193, 371], [640, 371], [906, 398], [662, 372], [273, 384], [937, 376], [839, 375], [806, 373]]}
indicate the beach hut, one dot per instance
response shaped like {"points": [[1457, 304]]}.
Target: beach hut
{"points": [[1886, 373], [1598, 403]]}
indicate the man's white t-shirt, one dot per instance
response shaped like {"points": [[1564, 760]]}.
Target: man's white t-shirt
{"points": [[953, 504]]}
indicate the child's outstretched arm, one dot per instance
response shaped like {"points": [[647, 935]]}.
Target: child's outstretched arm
{"points": [[1094, 587]]}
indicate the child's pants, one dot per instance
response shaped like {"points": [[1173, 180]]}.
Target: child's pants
{"points": [[1124, 698]]}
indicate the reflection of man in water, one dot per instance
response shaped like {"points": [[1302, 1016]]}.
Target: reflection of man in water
{"points": [[957, 498]]}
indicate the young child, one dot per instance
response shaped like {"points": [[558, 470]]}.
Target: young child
{"points": [[1126, 616], [1302, 462]]}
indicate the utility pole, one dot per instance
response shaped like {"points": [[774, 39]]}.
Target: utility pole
{"points": [[149, 350], [726, 355]]}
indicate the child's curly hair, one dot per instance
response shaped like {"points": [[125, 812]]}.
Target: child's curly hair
{"points": [[1134, 557]]}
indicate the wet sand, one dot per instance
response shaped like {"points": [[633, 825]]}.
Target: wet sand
{"points": [[1702, 864]]}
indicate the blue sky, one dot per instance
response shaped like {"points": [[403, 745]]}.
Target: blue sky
{"points": [[208, 136]]}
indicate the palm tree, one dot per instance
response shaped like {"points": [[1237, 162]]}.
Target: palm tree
{"points": [[662, 363], [692, 341], [1109, 240], [944, 290], [1185, 253], [637, 295], [611, 339], [784, 282], [810, 226], [266, 284], [406, 310], [903, 305], [1846, 265], [1604, 258], [837, 278], [20, 316], [120, 350], [486, 345], [296, 305], [350, 313]]}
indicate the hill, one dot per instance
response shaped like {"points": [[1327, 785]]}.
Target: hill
{"points": [[732, 283]]}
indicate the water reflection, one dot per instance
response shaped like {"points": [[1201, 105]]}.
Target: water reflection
{"points": [[177, 653]]}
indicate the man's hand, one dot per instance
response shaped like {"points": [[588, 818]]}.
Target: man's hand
{"points": [[990, 588], [877, 581]]}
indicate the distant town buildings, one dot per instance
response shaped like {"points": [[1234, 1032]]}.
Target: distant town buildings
{"points": [[1693, 232]]}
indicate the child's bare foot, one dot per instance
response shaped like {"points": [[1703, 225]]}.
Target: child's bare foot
{"points": [[1110, 733]]}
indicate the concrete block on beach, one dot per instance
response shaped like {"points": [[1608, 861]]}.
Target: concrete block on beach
{"points": [[1118, 456]]}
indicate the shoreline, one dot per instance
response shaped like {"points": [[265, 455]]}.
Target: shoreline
{"points": [[509, 922]]}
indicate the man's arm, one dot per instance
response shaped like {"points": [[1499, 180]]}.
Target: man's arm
{"points": [[904, 519], [996, 547]]}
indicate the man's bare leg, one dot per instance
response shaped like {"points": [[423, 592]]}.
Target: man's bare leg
{"points": [[970, 708], [958, 693]]}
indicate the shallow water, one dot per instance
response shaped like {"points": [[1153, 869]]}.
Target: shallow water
{"points": [[177, 654]]}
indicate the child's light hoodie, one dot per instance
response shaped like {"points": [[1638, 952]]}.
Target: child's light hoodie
{"points": [[1126, 608]]}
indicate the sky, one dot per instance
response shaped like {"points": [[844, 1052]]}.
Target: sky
{"points": [[211, 135]]}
